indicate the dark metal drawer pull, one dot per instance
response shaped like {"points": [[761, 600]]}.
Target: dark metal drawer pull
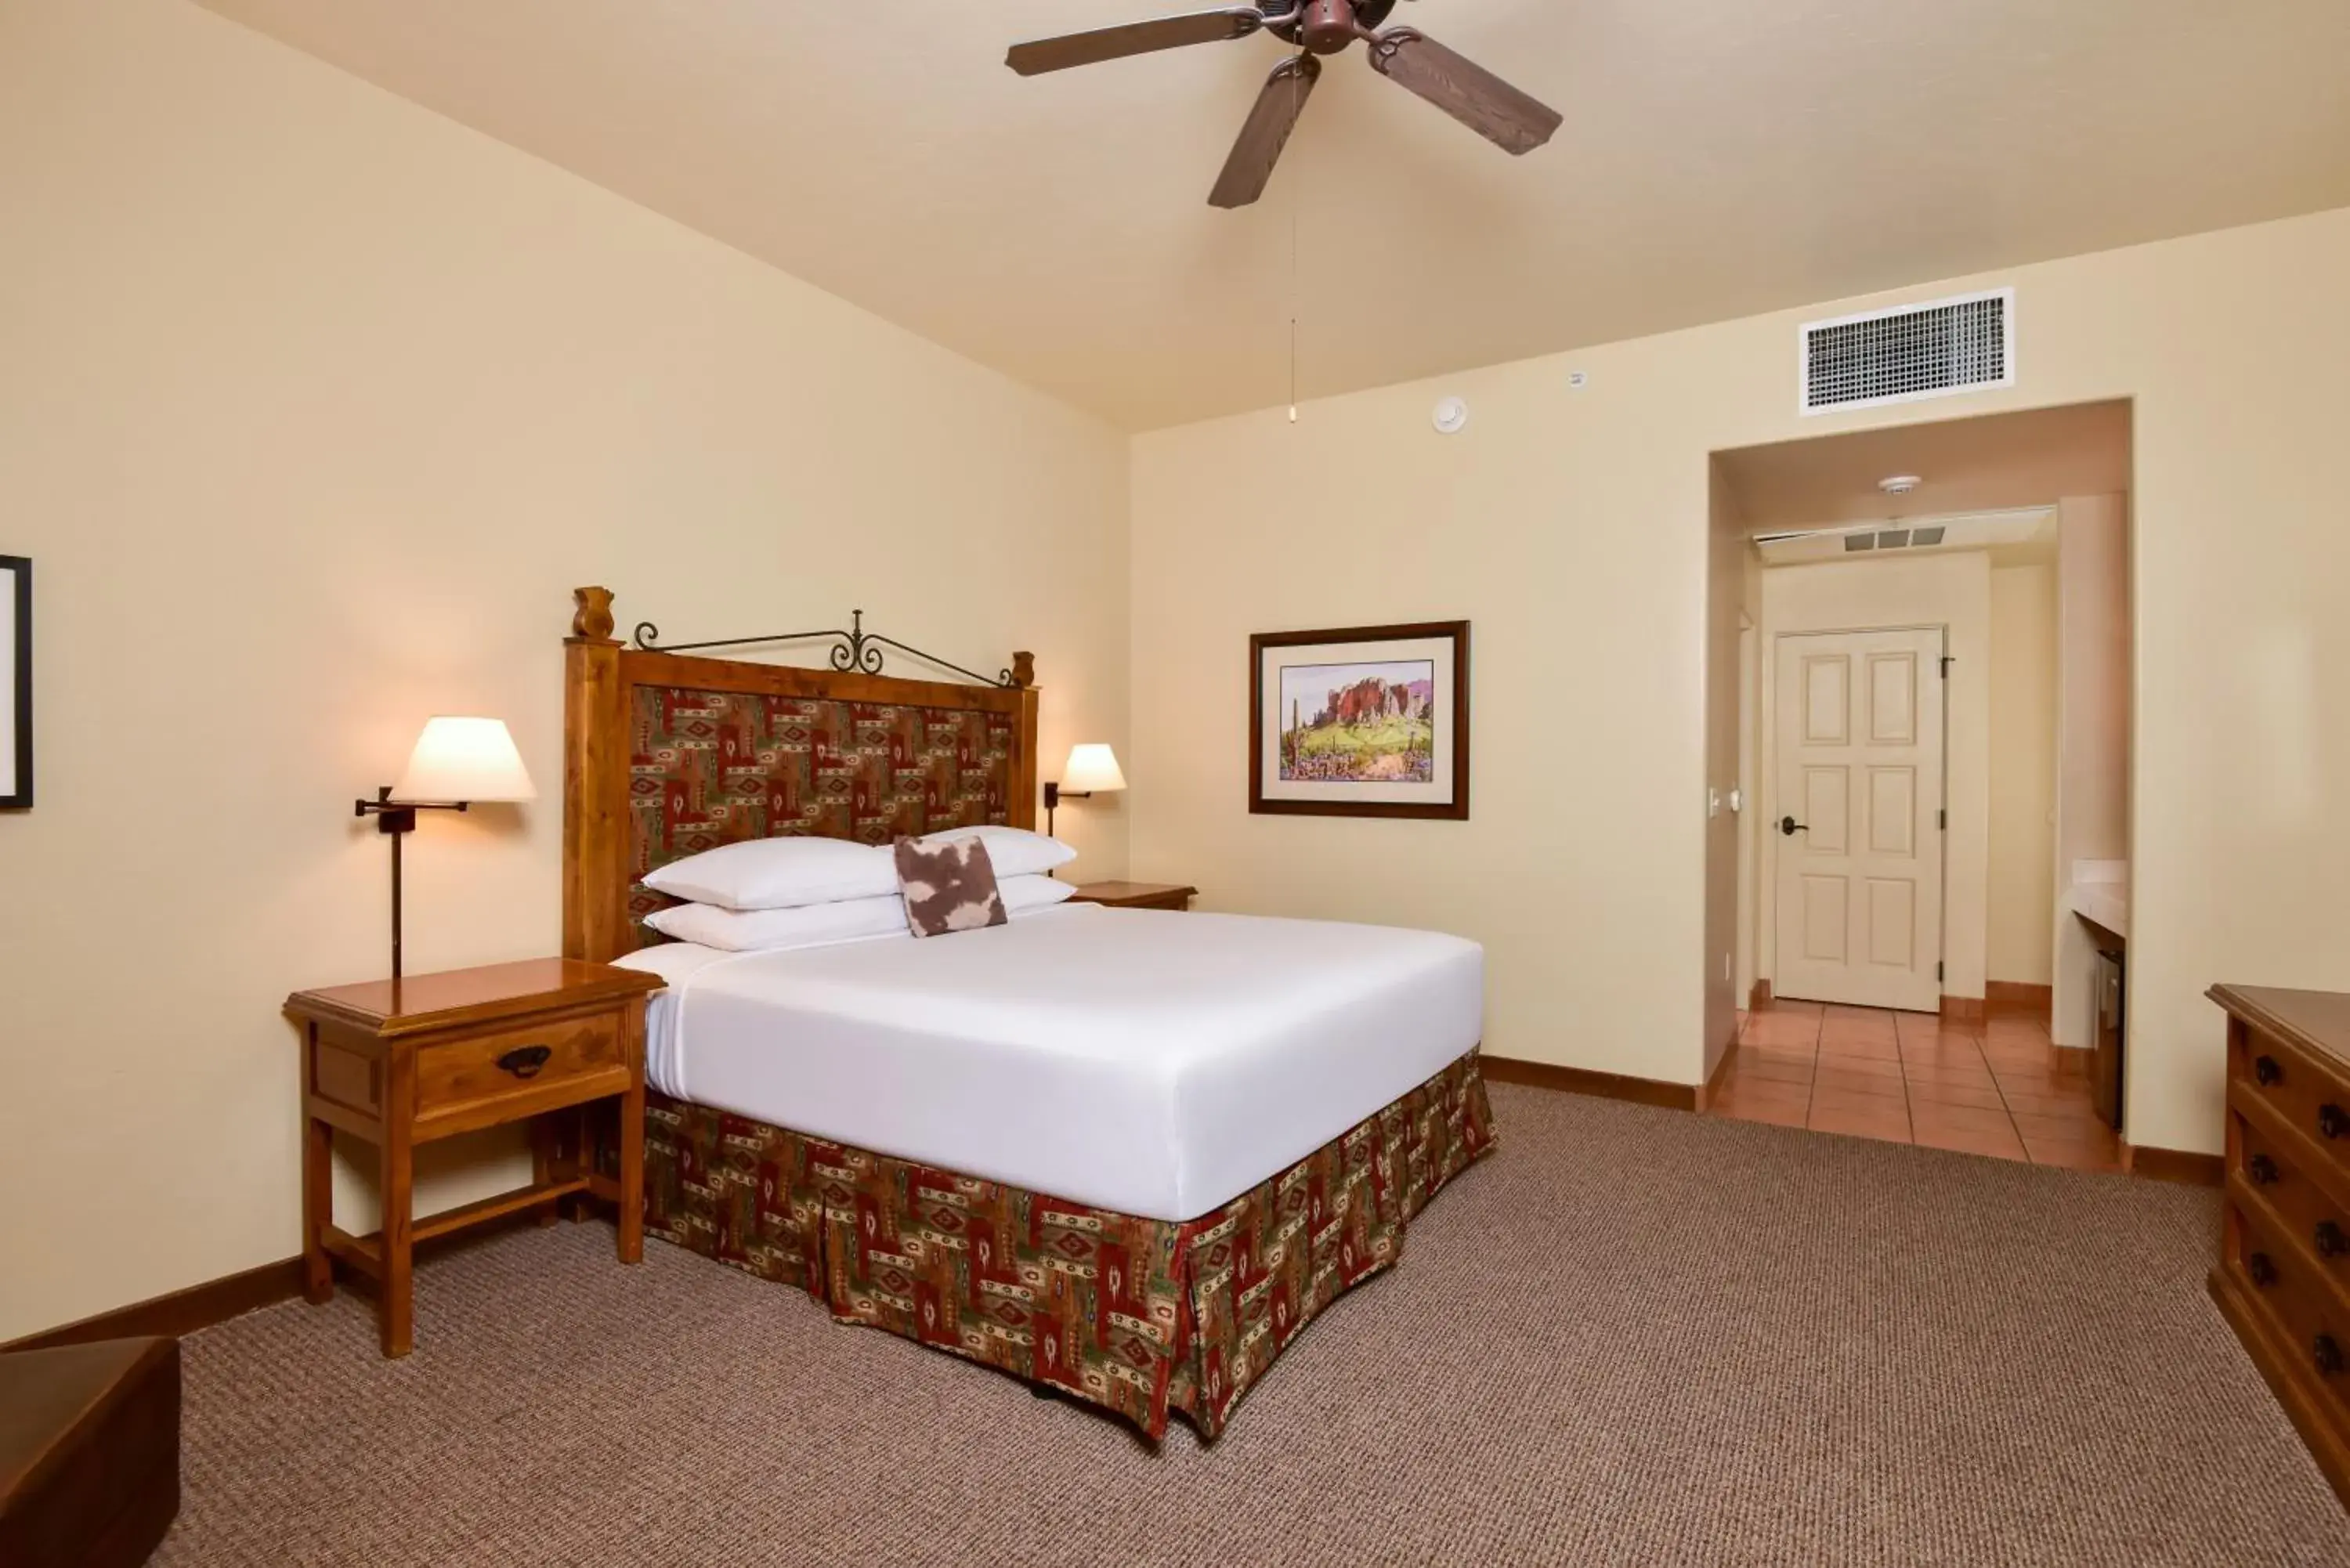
{"points": [[2332, 1122], [2331, 1242], [2328, 1354], [525, 1062], [2266, 1070], [2261, 1170], [2260, 1268]]}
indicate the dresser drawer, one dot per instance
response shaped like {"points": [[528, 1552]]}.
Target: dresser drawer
{"points": [[2299, 1205], [485, 1068], [2312, 1098], [2302, 1311]]}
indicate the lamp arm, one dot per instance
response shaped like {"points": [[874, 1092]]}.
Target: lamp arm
{"points": [[398, 818]]}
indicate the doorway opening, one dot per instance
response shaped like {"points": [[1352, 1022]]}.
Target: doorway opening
{"points": [[1919, 713]]}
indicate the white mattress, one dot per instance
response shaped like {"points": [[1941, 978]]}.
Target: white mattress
{"points": [[1140, 1061]]}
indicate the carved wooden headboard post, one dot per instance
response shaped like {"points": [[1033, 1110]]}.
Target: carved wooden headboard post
{"points": [[1025, 784], [604, 682], [595, 784]]}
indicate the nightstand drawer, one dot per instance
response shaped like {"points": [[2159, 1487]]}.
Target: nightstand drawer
{"points": [[487, 1068]]}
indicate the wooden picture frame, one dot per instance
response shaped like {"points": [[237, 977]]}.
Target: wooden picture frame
{"points": [[1375, 688], [16, 684]]}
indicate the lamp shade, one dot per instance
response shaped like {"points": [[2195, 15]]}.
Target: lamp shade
{"points": [[1092, 770], [464, 759]]}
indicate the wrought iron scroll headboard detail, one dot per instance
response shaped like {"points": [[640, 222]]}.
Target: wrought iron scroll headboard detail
{"points": [[855, 649]]}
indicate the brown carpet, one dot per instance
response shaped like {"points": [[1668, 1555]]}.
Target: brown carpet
{"points": [[1734, 1343]]}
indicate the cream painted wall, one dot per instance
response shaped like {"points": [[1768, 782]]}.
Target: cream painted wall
{"points": [[316, 407], [2021, 896], [1749, 968], [1727, 553], [1952, 591], [1571, 526], [2094, 697]]}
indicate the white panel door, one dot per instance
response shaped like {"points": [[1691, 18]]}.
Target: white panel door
{"points": [[1857, 819]]}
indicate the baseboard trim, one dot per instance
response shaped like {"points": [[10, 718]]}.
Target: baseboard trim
{"points": [[1760, 997], [216, 1301], [2178, 1164], [1965, 1009], [1712, 1088], [1583, 1081], [181, 1312], [2019, 996]]}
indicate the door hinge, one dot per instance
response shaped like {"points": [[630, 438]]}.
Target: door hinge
{"points": [[1948, 659], [1938, 973], [1942, 819]]}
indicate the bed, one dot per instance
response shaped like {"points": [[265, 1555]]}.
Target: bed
{"points": [[1126, 1155]]}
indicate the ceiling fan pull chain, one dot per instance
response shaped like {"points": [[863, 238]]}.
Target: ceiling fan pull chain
{"points": [[1293, 315]]}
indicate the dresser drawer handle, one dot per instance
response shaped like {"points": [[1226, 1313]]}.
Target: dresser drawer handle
{"points": [[526, 1061], [2261, 1170], [2332, 1122], [2331, 1242], [2266, 1070], [2327, 1354], [2262, 1269]]}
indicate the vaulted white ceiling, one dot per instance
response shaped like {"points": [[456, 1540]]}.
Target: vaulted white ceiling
{"points": [[1720, 157]]}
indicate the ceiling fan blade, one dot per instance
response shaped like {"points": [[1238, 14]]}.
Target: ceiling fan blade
{"points": [[1511, 119], [1135, 38], [1250, 167]]}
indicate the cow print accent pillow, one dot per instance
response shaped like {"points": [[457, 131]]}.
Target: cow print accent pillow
{"points": [[949, 886]]}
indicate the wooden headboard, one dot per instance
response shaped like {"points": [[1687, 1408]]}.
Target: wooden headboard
{"points": [[666, 756]]}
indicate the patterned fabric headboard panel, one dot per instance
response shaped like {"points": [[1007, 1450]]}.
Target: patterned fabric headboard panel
{"points": [[708, 768]]}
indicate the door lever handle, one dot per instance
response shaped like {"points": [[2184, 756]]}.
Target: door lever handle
{"points": [[1790, 826]]}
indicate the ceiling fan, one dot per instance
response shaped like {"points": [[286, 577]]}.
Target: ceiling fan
{"points": [[1468, 92]]}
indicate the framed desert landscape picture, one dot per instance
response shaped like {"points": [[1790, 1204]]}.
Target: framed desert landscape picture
{"points": [[1362, 721], [15, 682]]}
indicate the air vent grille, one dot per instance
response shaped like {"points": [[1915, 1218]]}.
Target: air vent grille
{"points": [[1933, 351]]}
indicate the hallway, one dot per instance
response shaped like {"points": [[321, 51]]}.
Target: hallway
{"points": [[1997, 1087]]}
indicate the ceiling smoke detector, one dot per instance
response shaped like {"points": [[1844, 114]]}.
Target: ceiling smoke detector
{"points": [[1899, 485]]}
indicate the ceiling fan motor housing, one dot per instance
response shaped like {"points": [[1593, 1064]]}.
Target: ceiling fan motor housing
{"points": [[1504, 115], [1327, 26]]}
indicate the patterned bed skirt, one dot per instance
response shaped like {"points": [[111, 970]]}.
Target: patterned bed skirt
{"points": [[1142, 1316]]}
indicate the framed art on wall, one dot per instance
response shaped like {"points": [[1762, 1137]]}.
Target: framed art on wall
{"points": [[15, 682], [1363, 721]]}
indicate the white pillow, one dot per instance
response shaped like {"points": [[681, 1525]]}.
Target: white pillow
{"points": [[821, 925], [1012, 851], [1033, 892], [806, 926], [779, 873]]}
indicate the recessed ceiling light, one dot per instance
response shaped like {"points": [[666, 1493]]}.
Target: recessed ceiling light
{"points": [[1899, 485]]}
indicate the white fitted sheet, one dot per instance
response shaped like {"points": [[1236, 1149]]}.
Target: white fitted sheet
{"points": [[1141, 1061]]}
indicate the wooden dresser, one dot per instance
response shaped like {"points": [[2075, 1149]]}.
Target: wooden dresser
{"points": [[2284, 1279]]}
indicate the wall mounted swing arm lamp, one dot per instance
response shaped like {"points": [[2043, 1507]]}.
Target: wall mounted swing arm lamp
{"points": [[1092, 770], [457, 760]]}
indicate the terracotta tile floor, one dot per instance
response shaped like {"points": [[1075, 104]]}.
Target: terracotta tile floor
{"points": [[1998, 1087]]}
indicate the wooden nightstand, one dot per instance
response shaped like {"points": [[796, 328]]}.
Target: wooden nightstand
{"points": [[400, 1063], [1136, 895]]}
